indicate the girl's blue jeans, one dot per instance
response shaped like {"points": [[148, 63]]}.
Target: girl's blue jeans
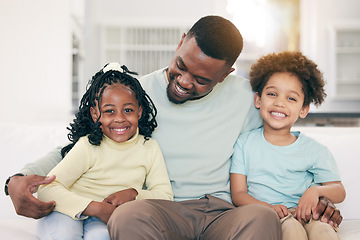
{"points": [[60, 226]]}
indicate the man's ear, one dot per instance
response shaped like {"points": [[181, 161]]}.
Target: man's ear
{"points": [[226, 74], [304, 111], [181, 41], [93, 114], [257, 100]]}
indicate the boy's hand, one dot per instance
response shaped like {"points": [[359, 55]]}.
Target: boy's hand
{"points": [[307, 205], [281, 210]]}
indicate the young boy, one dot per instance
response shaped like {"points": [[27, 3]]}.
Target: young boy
{"points": [[286, 171]]}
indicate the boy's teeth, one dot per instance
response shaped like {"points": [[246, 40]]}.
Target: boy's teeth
{"points": [[278, 114]]}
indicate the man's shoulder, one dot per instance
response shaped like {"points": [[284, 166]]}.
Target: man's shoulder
{"points": [[236, 83]]}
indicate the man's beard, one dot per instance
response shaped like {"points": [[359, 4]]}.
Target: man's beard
{"points": [[171, 99]]}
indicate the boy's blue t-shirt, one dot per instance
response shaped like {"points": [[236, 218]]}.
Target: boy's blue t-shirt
{"points": [[281, 174]]}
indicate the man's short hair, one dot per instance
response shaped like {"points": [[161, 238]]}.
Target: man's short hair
{"points": [[218, 38]]}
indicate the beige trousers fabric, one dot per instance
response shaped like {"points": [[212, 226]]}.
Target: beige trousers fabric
{"points": [[207, 218], [292, 229]]}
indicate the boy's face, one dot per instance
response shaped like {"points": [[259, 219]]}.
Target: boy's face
{"points": [[120, 112], [192, 74], [281, 101]]}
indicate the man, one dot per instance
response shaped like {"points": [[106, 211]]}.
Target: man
{"points": [[202, 110]]}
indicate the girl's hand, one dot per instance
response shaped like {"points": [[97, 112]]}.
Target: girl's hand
{"points": [[121, 197], [281, 210], [100, 210], [307, 205]]}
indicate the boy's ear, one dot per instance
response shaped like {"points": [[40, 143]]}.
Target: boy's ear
{"points": [[304, 111], [93, 114], [257, 100]]}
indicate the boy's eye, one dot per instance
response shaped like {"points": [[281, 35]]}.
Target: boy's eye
{"points": [[292, 99], [271, 94]]}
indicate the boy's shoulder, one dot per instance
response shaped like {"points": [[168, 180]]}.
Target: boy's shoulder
{"points": [[251, 134]]}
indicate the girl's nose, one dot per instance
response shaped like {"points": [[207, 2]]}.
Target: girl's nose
{"points": [[119, 117]]}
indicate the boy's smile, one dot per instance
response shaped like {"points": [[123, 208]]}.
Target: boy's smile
{"points": [[281, 101]]}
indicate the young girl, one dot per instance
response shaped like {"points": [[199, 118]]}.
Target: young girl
{"points": [[286, 171], [110, 159]]}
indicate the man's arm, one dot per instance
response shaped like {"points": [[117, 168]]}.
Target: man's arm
{"points": [[21, 188]]}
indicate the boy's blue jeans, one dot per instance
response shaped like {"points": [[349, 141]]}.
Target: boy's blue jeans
{"points": [[60, 226]]}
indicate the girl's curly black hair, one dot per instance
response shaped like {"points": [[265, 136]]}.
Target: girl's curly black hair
{"points": [[83, 123], [295, 63]]}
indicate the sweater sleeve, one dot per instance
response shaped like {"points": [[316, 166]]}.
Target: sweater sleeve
{"points": [[67, 172], [157, 181]]}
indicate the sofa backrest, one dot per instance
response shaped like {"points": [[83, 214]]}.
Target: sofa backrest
{"points": [[344, 143]]}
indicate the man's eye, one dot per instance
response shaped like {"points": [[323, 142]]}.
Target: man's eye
{"points": [[179, 67], [201, 82]]}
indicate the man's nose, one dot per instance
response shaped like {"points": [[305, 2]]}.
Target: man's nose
{"points": [[186, 81]]}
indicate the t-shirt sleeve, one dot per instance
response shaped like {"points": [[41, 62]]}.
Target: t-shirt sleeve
{"points": [[325, 168], [237, 159]]}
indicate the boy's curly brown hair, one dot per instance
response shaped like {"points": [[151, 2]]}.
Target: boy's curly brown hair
{"points": [[295, 63]]}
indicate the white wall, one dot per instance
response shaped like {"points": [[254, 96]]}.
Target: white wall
{"points": [[316, 17], [35, 60], [139, 12]]}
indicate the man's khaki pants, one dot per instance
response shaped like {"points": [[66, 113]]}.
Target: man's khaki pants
{"points": [[206, 218]]}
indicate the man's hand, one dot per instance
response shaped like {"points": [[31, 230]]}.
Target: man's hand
{"points": [[21, 189], [121, 197], [328, 212]]}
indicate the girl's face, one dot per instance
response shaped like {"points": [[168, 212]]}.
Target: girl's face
{"points": [[281, 101], [120, 112]]}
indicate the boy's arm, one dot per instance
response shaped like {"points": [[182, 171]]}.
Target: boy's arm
{"points": [[21, 188], [240, 196], [334, 191]]}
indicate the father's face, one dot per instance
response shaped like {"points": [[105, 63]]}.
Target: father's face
{"points": [[192, 74]]}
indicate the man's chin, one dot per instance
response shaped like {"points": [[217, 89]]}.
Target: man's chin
{"points": [[173, 99], [176, 101]]}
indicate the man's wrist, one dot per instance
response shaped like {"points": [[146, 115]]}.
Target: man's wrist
{"points": [[6, 189]]}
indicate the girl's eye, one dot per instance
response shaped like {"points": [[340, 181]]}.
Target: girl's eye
{"points": [[109, 111], [127, 110]]}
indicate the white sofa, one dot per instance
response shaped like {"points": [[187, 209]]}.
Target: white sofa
{"points": [[23, 143]]}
